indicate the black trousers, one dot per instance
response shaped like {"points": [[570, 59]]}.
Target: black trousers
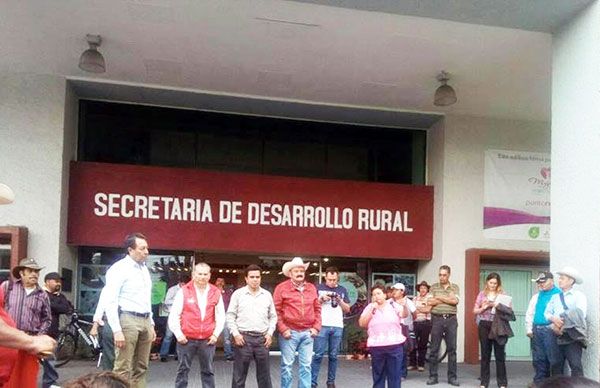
{"points": [[486, 355], [253, 350], [443, 328], [422, 330], [187, 353], [572, 354]]}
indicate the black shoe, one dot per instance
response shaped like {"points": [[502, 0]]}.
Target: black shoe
{"points": [[330, 385], [454, 382], [163, 359], [432, 381]]}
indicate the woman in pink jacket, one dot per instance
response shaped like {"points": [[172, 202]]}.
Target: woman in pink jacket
{"points": [[382, 320]]}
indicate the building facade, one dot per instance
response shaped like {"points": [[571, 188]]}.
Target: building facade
{"points": [[41, 119]]}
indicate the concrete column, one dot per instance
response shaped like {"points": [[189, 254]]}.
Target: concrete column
{"points": [[575, 239], [38, 123]]}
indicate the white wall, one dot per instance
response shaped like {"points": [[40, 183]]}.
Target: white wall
{"points": [[455, 167], [32, 161], [575, 161]]}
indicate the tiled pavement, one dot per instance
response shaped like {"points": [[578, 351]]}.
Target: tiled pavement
{"points": [[350, 374]]}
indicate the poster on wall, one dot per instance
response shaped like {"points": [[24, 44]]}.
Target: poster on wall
{"points": [[517, 195]]}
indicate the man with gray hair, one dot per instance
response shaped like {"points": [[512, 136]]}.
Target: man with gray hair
{"points": [[196, 319], [567, 311]]}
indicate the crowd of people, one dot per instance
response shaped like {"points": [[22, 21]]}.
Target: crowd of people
{"points": [[404, 333]]}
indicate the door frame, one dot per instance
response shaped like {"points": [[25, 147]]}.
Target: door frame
{"points": [[473, 260], [17, 235]]}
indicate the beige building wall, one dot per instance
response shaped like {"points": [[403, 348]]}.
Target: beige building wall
{"points": [[455, 164], [38, 140], [575, 160]]}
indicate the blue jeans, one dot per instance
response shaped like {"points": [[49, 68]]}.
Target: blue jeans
{"points": [[300, 342], [227, 349], [546, 355], [166, 342], [329, 338], [386, 365], [50, 373]]}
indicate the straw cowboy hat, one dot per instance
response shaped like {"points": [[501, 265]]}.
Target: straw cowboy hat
{"points": [[572, 273], [6, 194], [296, 262], [25, 263]]}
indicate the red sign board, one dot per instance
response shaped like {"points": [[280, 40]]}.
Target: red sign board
{"points": [[190, 209]]}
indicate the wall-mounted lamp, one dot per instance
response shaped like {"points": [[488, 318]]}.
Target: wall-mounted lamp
{"points": [[91, 60], [445, 94], [6, 194]]}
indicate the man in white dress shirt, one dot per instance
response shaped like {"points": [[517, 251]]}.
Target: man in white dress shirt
{"points": [[196, 319], [166, 309], [569, 304], [129, 312]]}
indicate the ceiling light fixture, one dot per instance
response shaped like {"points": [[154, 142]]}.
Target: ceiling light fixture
{"points": [[91, 60], [445, 94]]}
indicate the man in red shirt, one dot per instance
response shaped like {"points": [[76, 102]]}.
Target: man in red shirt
{"points": [[299, 321]]}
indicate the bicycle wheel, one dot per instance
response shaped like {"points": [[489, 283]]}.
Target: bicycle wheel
{"points": [[442, 353], [66, 348]]}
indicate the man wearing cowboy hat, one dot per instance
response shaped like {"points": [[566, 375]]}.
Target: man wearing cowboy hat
{"points": [[561, 308], [299, 312], [544, 348], [26, 302], [12, 339], [29, 307]]}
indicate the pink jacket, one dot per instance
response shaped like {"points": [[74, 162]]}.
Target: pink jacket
{"points": [[384, 327]]}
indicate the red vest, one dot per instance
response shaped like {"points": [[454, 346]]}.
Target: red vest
{"points": [[192, 324]]}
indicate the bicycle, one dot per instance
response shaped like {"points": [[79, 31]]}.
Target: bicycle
{"points": [[68, 340]]}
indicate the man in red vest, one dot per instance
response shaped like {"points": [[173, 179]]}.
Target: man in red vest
{"points": [[196, 319]]}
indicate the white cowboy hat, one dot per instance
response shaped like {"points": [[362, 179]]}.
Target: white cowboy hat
{"points": [[572, 273], [296, 262], [6, 194]]}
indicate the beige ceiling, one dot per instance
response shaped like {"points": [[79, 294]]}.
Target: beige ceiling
{"points": [[286, 50]]}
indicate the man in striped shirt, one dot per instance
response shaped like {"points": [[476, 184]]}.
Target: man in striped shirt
{"points": [[26, 302], [444, 300], [29, 307]]}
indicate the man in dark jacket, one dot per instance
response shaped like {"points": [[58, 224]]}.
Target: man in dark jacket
{"points": [[59, 304]]}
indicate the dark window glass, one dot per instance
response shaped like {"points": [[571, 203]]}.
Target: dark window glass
{"points": [[136, 134]]}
